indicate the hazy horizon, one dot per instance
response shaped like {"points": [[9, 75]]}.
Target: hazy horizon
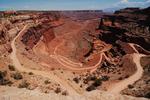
{"points": [[70, 4]]}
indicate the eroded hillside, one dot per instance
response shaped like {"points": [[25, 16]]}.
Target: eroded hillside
{"points": [[72, 55]]}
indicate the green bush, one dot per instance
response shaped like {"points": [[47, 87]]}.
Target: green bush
{"points": [[97, 82]]}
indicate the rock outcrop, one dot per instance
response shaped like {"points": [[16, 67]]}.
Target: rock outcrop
{"points": [[128, 25], [47, 21], [83, 15]]}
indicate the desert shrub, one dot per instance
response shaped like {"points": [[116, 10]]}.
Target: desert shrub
{"points": [[147, 81], [24, 84], [130, 86], [120, 78], [76, 80], [147, 68], [5, 82], [85, 81], [11, 67], [2, 74], [90, 88], [47, 82], [17, 76], [97, 82], [65, 93], [105, 78], [58, 90], [30, 73], [105, 28], [52, 69], [93, 78], [147, 95], [127, 76]]}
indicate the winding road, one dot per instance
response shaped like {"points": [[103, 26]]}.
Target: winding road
{"points": [[117, 88], [73, 65], [51, 76]]}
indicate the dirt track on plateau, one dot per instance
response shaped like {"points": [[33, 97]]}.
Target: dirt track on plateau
{"points": [[75, 66]]}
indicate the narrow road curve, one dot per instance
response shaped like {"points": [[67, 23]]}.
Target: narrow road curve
{"points": [[71, 67], [136, 45], [118, 87], [51, 76], [66, 62], [132, 46]]}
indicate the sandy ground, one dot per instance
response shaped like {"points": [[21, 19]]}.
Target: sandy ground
{"points": [[12, 93]]}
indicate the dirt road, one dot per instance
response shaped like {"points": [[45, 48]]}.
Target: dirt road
{"points": [[118, 87], [51, 76], [71, 65]]}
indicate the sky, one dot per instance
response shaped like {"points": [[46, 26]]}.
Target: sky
{"points": [[69, 4]]}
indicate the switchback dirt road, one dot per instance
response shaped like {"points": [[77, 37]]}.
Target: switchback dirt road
{"points": [[51, 76]]}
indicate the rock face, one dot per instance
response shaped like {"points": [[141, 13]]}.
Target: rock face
{"points": [[132, 25], [23, 94], [4, 48], [4, 36], [3, 31], [47, 21], [48, 35], [33, 35], [83, 15]]}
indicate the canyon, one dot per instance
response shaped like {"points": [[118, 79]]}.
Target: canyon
{"points": [[89, 55]]}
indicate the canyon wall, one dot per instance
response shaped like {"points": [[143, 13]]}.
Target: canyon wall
{"points": [[128, 25]]}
